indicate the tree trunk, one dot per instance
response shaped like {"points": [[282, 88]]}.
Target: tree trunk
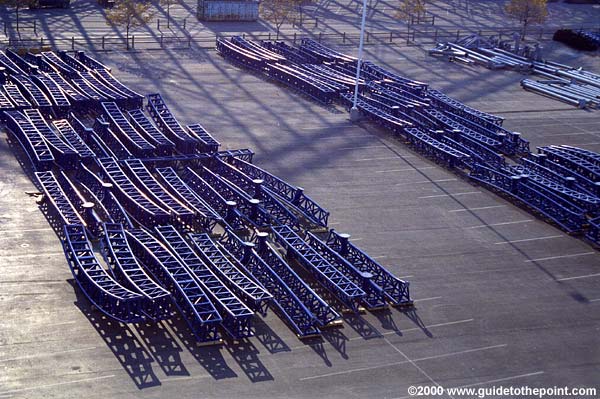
{"points": [[18, 6], [168, 13], [127, 36]]}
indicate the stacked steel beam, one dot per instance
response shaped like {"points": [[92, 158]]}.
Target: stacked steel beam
{"points": [[175, 217]]}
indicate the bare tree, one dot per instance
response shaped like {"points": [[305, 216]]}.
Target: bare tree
{"points": [[167, 3], [410, 8], [129, 14], [278, 11], [527, 12], [17, 4]]}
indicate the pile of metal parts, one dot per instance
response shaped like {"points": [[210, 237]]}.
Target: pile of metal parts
{"points": [[573, 86], [561, 184], [155, 220]]}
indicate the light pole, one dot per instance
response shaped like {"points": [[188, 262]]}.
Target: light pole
{"points": [[354, 113]]}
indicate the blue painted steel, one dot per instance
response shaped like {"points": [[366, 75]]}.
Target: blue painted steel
{"points": [[58, 208], [83, 206], [104, 90], [82, 85], [590, 203], [323, 312], [590, 156], [180, 214], [323, 271], [440, 152], [374, 295], [547, 168], [443, 101], [136, 143], [382, 73], [112, 143], [5, 105], [563, 213], [103, 291], [204, 216], [301, 82], [229, 270], [324, 54], [164, 146], [257, 50], [286, 303], [393, 123], [207, 142], [135, 100], [292, 54], [235, 314], [59, 64], [100, 191], [290, 194], [16, 97], [30, 139], [72, 61], [70, 136], [75, 96], [185, 142], [58, 97], [253, 188], [10, 66], [252, 212], [448, 123], [124, 266], [90, 62], [191, 300], [135, 201], [29, 68], [32, 92], [593, 233], [239, 55], [578, 165], [64, 155], [396, 290], [227, 210]]}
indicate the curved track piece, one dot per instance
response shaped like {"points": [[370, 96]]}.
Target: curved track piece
{"points": [[293, 195], [236, 315], [58, 207], [124, 266], [220, 261], [136, 143], [64, 154], [71, 137], [133, 199], [285, 302], [105, 293], [185, 142], [144, 126], [178, 211], [32, 92], [204, 216], [191, 300], [323, 271], [30, 139]]}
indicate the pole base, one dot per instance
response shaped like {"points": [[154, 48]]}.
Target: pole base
{"points": [[354, 114]]}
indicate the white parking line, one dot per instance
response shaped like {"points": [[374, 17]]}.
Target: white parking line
{"points": [[382, 158], [450, 195], [402, 362], [404, 170], [578, 277], [477, 209], [47, 354], [2, 232], [428, 299], [560, 257], [361, 147], [499, 224], [47, 254], [424, 182], [57, 384], [594, 300], [527, 240]]}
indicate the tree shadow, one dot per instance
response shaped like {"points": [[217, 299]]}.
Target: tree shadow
{"points": [[209, 357], [121, 340], [163, 347]]}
